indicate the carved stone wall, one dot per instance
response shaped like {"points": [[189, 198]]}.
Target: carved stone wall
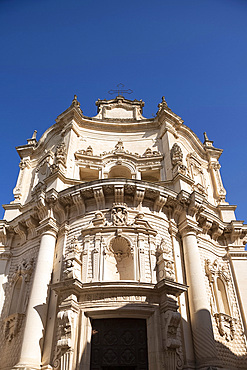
{"points": [[230, 342], [12, 325]]}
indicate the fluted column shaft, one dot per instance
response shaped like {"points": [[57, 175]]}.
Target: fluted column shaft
{"points": [[203, 337], [30, 357]]}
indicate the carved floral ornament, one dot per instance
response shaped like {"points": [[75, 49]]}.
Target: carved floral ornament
{"points": [[24, 269], [119, 148], [216, 269], [24, 163], [63, 351], [12, 325]]}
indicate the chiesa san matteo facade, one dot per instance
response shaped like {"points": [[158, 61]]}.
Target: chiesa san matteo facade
{"points": [[119, 250]]}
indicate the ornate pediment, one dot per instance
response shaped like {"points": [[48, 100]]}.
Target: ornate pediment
{"points": [[120, 109]]}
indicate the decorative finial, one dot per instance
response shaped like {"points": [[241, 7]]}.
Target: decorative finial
{"points": [[205, 136], [34, 135], [163, 104], [33, 139], [75, 102], [207, 142]]}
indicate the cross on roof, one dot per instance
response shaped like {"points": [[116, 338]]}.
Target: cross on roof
{"points": [[120, 90]]}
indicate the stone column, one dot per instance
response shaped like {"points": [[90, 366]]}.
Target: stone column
{"points": [[52, 309], [30, 357], [203, 337]]}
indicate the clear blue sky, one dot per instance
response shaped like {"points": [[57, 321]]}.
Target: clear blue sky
{"points": [[193, 52]]}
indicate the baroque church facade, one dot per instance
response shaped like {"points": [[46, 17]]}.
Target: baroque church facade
{"points": [[119, 250]]}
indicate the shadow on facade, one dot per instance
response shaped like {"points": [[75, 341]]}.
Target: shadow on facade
{"points": [[165, 349]]}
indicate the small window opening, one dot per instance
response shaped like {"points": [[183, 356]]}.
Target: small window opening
{"points": [[88, 174], [150, 175], [119, 171]]}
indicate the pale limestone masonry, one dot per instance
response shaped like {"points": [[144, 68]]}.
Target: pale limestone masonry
{"points": [[120, 220]]}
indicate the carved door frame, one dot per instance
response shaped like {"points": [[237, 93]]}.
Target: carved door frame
{"points": [[154, 334]]}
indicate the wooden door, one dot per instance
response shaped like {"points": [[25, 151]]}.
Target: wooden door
{"points": [[119, 344]]}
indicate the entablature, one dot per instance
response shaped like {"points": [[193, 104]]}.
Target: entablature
{"points": [[119, 288], [115, 193]]}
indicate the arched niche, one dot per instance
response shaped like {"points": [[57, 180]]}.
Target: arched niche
{"points": [[119, 171], [119, 262], [223, 306], [16, 299]]}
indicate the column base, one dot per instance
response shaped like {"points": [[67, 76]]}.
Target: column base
{"points": [[21, 366]]}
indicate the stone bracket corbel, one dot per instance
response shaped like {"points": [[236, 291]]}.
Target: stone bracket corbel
{"points": [[21, 230], [79, 203], [119, 194], [139, 196], [159, 202], [99, 197]]}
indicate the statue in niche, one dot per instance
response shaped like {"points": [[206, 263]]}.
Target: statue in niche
{"points": [[165, 261], [176, 155], [61, 154], [119, 215]]}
